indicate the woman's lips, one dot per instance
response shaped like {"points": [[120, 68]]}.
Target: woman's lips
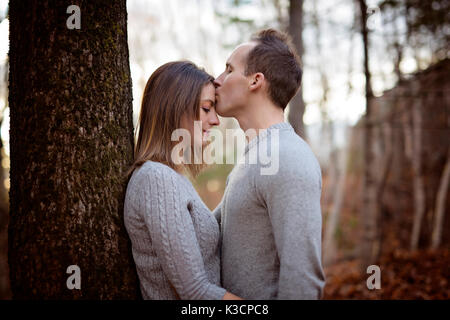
{"points": [[205, 134]]}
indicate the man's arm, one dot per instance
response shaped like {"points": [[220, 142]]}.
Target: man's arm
{"points": [[292, 197]]}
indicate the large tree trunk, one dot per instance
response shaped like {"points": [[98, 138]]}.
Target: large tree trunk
{"points": [[369, 250], [297, 105], [71, 142]]}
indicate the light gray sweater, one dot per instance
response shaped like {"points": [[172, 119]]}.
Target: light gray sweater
{"points": [[271, 224], [174, 236]]}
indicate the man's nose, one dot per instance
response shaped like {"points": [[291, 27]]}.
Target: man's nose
{"points": [[217, 82]]}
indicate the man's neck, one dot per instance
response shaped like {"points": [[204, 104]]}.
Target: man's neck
{"points": [[259, 117]]}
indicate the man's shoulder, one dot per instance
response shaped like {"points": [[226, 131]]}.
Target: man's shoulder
{"points": [[294, 163], [295, 152]]}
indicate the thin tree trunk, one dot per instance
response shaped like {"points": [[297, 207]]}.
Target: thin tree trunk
{"points": [[418, 186], [333, 218], [297, 105], [332, 174], [441, 199], [71, 143], [385, 165], [387, 157], [369, 250], [327, 127], [408, 135]]}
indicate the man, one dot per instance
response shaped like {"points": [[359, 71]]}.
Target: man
{"points": [[271, 224]]}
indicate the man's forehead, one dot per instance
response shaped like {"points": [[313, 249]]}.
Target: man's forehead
{"points": [[241, 51]]}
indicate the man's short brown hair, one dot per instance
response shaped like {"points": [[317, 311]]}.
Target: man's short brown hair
{"points": [[276, 58]]}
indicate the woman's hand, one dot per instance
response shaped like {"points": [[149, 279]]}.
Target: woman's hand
{"points": [[230, 296]]}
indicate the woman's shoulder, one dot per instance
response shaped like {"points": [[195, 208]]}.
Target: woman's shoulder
{"points": [[153, 169], [161, 178], [150, 170]]}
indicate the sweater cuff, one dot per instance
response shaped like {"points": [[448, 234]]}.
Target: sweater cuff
{"points": [[215, 293]]}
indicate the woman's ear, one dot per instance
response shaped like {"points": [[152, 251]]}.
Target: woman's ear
{"points": [[256, 81]]}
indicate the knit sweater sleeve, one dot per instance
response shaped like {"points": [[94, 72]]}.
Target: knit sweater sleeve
{"points": [[173, 236], [292, 198]]}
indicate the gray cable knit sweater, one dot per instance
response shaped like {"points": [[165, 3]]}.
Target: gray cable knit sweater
{"points": [[272, 224], [174, 236]]}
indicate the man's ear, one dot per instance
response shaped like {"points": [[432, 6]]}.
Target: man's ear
{"points": [[256, 81]]}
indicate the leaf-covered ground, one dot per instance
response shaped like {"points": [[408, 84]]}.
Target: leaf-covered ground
{"points": [[404, 275]]}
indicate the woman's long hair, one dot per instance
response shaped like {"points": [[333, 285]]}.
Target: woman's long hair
{"points": [[172, 91]]}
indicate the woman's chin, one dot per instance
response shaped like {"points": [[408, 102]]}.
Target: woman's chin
{"points": [[204, 143], [200, 144]]}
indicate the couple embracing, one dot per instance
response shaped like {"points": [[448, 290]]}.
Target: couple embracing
{"points": [[263, 241]]}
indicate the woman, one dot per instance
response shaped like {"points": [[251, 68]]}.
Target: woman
{"points": [[174, 236]]}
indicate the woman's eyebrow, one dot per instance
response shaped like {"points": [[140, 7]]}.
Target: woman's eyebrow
{"points": [[210, 101]]}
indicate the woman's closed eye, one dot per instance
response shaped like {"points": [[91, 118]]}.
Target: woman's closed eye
{"points": [[206, 109]]}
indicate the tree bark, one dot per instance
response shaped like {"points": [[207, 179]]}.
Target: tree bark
{"points": [[295, 29], [71, 141]]}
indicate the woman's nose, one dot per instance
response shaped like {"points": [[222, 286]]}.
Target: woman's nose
{"points": [[214, 119]]}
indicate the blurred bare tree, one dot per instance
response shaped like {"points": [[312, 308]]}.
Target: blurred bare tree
{"points": [[295, 29]]}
